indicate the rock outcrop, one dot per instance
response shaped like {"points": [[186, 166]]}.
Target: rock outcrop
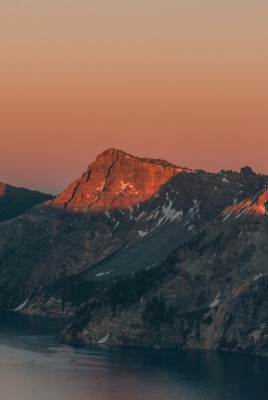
{"points": [[116, 180]]}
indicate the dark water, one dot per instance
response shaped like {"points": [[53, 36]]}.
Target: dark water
{"points": [[35, 367]]}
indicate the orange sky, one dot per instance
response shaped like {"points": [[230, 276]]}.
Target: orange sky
{"points": [[182, 80]]}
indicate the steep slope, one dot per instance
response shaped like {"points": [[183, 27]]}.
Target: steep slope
{"points": [[116, 180], [16, 201], [210, 293], [171, 218]]}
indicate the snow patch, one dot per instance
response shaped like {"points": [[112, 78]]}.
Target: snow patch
{"points": [[104, 339], [169, 213], [216, 301], [125, 185], [242, 212], [226, 216], [195, 209], [190, 228], [257, 276], [154, 214], [22, 305], [131, 210], [185, 262], [100, 189], [103, 273], [143, 233], [116, 225], [141, 215], [225, 180]]}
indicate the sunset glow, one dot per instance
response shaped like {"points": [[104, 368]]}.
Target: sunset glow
{"points": [[257, 206], [181, 80]]}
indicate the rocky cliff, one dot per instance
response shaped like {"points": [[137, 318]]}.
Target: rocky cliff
{"points": [[116, 180]]}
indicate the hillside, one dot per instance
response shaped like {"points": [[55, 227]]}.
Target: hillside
{"points": [[210, 293]]}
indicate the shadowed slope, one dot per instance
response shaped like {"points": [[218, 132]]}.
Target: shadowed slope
{"points": [[210, 293], [16, 201]]}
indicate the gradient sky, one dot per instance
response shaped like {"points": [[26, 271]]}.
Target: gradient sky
{"points": [[176, 79]]}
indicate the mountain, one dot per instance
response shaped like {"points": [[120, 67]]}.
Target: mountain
{"points": [[210, 293], [116, 180], [16, 201], [92, 219], [141, 252]]}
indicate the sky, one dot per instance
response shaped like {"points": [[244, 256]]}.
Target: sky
{"points": [[181, 80]]}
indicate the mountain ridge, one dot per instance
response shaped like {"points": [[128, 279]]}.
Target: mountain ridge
{"points": [[15, 201], [145, 253]]}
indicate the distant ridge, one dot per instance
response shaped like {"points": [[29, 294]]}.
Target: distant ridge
{"points": [[15, 201]]}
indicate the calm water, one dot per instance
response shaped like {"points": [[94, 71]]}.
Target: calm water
{"points": [[35, 367]]}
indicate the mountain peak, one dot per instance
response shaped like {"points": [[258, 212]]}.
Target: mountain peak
{"points": [[112, 153], [116, 180]]}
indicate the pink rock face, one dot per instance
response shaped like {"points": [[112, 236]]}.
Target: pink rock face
{"points": [[116, 180], [257, 206]]}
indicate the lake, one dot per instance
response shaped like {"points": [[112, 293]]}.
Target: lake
{"points": [[33, 366]]}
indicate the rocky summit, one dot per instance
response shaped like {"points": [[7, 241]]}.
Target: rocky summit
{"points": [[116, 180], [142, 252]]}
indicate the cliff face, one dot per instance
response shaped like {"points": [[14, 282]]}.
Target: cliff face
{"points": [[116, 180]]}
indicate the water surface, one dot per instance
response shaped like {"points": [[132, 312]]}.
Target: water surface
{"points": [[33, 366]]}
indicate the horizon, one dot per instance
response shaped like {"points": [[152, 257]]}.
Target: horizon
{"points": [[56, 193], [183, 81]]}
